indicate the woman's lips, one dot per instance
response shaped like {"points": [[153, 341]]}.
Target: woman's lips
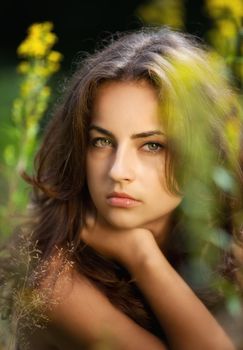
{"points": [[122, 200]]}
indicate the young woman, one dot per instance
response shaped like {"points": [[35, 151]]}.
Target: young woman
{"points": [[131, 213]]}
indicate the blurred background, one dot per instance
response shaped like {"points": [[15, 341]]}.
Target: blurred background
{"points": [[80, 24]]}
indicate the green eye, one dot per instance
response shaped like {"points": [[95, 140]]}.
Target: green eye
{"points": [[101, 142], [153, 146]]}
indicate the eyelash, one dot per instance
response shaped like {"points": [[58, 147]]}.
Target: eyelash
{"points": [[94, 142]]}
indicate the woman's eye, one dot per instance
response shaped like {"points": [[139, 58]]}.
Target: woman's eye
{"points": [[153, 147], [101, 142]]}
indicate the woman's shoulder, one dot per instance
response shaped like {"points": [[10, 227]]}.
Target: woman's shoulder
{"points": [[80, 315], [66, 312]]}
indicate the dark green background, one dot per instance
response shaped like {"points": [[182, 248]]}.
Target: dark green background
{"points": [[79, 24]]}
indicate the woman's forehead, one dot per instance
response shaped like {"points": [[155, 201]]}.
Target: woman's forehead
{"points": [[127, 104]]}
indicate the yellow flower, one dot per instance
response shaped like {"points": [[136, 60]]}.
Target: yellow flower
{"points": [[23, 67], [50, 39], [23, 47], [234, 8], [227, 28], [35, 29], [54, 56], [47, 26], [27, 88], [224, 45], [32, 47], [41, 71], [37, 48], [40, 63], [38, 42], [53, 67]]}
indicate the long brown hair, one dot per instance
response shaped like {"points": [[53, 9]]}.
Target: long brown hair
{"points": [[192, 95]]}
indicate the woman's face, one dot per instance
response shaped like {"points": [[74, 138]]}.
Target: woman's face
{"points": [[126, 157]]}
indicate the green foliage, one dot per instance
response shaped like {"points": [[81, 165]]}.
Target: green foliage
{"points": [[22, 125], [226, 35], [157, 12], [201, 203], [19, 140]]}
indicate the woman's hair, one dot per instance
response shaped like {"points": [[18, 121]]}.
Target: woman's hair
{"points": [[199, 113]]}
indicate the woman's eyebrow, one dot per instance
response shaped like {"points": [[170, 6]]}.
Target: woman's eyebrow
{"points": [[133, 136]]}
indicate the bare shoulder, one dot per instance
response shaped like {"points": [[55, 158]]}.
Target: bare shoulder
{"points": [[81, 316]]}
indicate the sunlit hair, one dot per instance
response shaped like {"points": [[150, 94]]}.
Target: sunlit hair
{"points": [[197, 107]]}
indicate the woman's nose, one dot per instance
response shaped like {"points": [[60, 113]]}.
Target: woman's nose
{"points": [[122, 167]]}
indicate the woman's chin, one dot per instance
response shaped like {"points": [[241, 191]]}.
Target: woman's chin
{"points": [[123, 223]]}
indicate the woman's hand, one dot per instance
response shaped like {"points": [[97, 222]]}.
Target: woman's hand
{"points": [[185, 320], [130, 247]]}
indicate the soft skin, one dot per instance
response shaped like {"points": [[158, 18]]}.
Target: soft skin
{"points": [[123, 160]]}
